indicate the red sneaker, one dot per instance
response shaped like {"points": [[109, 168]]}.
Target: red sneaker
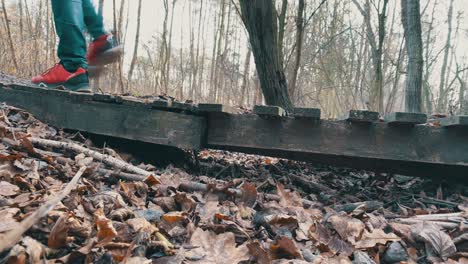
{"points": [[103, 50], [59, 76]]}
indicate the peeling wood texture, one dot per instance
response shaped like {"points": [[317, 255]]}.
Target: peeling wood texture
{"points": [[419, 150], [109, 116]]}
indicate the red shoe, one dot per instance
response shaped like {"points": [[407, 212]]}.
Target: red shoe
{"points": [[102, 51], [58, 76]]}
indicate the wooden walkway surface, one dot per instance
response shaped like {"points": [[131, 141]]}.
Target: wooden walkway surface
{"points": [[403, 143]]}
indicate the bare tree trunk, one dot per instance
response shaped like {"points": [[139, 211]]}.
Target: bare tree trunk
{"points": [[281, 30], [259, 18], [411, 20], [427, 69], [246, 77], [463, 96], [376, 93], [10, 39], [299, 40], [137, 39], [441, 101]]}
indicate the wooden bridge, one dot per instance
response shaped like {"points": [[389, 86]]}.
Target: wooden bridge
{"points": [[404, 143]]}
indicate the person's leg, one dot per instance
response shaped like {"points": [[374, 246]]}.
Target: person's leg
{"points": [[94, 22], [69, 24]]}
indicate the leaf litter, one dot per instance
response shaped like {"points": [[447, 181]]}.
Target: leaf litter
{"points": [[230, 208]]}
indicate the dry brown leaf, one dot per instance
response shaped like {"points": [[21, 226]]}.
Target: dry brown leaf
{"points": [[349, 229], [151, 181], [105, 230], [59, 234], [288, 198], [17, 255], [7, 220], [259, 253], [137, 260], [248, 195], [8, 189], [174, 217], [34, 249], [324, 259], [285, 248], [184, 202], [437, 242], [141, 225], [210, 248], [377, 236]]}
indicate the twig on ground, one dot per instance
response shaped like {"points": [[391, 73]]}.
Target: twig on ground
{"points": [[111, 161], [11, 238]]}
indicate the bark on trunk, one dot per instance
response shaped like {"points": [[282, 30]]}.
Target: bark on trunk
{"points": [[260, 20], [137, 39], [441, 101], [299, 41], [411, 20], [10, 39]]}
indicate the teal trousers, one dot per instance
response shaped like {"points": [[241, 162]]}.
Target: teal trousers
{"points": [[72, 17]]}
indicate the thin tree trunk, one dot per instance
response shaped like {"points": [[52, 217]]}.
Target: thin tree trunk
{"points": [[299, 41], [10, 39], [281, 30], [411, 20], [259, 18], [441, 101], [246, 77], [137, 39]]}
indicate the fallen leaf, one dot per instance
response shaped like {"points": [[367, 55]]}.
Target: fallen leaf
{"points": [[377, 236], [259, 253], [210, 248], [105, 230], [141, 225], [349, 229], [174, 217], [8, 189], [288, 198], [34, 249], [58, 236], [249, 195], [7, 220], [285, 248], [437, 242]]}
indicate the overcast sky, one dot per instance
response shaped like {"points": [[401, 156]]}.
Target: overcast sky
{"points": [[153, 16]]}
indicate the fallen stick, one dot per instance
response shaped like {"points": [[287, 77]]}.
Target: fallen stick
{"points": [[14, 236], [121, 175], [190, 186], [310, 186], [445, 225], [111, 161]]}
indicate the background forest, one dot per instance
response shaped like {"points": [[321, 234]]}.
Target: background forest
{"points": [[336, 55]]}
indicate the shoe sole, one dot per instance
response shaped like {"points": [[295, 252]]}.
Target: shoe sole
{"points": [[81, 88], [108, 56]]}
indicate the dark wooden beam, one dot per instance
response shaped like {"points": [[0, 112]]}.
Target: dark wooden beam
{"points": [[413, 150], [108, 115]]}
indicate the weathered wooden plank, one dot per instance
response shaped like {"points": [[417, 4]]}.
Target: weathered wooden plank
{"points": [[454, 121], [402, 118], [363, 116], [216, 108], [269, 111], [307, 113], [423, 150], [110, 119], [162, 104]]}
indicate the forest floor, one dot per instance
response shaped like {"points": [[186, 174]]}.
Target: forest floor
{"points": [[225, 208]]}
